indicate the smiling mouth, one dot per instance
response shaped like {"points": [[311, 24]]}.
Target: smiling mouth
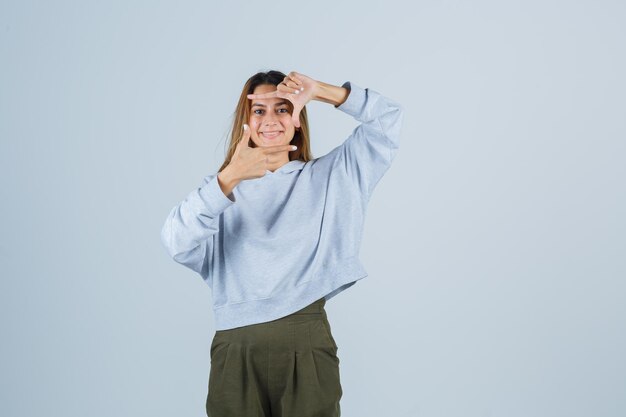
{"points": [[271, 135]]}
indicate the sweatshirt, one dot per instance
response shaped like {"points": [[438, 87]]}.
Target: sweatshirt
{"points": [[279, 242]]}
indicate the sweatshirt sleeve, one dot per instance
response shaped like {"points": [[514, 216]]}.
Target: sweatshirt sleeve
{"points": [[189, 228], [371, 147]]}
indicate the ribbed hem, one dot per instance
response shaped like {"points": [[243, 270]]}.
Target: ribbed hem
{"points": [[250, 312]]}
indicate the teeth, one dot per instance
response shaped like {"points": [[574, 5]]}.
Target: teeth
{"points": [[270, 135]]}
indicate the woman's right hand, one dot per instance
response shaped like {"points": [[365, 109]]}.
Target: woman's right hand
{"points": [[248, 163]]}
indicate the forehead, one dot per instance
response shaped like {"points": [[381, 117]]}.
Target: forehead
{"points": [[267, 102]]}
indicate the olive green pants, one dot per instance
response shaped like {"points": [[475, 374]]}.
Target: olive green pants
{"points": [[282, 368]]}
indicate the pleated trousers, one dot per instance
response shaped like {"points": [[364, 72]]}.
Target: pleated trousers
{"points": [[283, 368]]}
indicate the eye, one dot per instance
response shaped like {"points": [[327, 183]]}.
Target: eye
{"points": [[255, 111], [285, 110]]}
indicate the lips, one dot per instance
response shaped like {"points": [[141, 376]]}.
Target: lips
{"points": [[271, 134]]}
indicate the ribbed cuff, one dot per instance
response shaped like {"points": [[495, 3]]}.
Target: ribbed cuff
{"points": [[355, 101], [214, 198]]}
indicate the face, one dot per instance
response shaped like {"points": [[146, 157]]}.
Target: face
{"points": [[270, 119]]}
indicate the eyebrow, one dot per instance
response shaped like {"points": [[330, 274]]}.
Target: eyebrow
{"points": [[277, 104]]}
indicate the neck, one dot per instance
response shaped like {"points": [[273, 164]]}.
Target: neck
{"points": [[283, 160]]}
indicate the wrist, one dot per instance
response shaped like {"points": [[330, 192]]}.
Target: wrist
{"points": [[227, 181]]}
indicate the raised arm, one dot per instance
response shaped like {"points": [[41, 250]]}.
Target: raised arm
{"points": [[331, 94], [367, 153], [190, 224], [300, 89]]}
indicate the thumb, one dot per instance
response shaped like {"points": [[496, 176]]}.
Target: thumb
{"points": [[245, 139], [295, 117]]}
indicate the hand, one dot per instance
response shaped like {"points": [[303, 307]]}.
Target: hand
{"points": [[247, 162], [295, 87]]}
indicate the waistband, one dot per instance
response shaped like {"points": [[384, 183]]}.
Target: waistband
{"points": [[315, 310], [316, 307]]}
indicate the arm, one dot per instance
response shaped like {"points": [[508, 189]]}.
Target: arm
{"points": [[329, 93], [191, 224], [367, 153], [300, 89], [227, 181]]}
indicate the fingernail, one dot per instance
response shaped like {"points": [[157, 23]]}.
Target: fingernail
{"points": [[294, 147], [245, 126], [301, 88], [297, 91]]}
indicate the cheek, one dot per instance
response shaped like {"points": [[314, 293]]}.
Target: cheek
{"points": [[286, 120]]}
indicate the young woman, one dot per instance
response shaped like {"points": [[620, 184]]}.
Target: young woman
{"points": [[276, 233]]}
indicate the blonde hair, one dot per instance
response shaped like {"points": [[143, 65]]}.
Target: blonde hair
{"points": [[242, 115]]}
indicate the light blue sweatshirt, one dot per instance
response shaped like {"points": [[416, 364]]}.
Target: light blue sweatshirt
{"points": [[282, 241]]}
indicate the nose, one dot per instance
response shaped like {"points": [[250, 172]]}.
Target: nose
{"points": [[270, 119]]}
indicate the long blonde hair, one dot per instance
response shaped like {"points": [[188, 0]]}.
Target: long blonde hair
{"points": [[242, 115]]}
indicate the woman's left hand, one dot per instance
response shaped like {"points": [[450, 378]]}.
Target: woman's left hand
{"points": [[295, 87]]}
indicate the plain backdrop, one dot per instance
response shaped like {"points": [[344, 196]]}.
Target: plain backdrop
{"points": [[495, 244]]}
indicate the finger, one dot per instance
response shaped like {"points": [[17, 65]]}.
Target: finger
{"points": [[244, 142], [264, 95], [267, 150], [282, 87], [295, 77], [295, 117], [298, 81], [293, 82]]}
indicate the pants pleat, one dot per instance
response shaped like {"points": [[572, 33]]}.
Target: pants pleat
{"points": [[285, 368]]}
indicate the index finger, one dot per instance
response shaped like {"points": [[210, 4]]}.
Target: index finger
{"points": [[294, 76], [278, 148], [264, 95]]}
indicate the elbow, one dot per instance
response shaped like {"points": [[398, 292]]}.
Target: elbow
{"points": [[166, 238], [182, 251], [398, 115], [399, 121], [392, 126]]}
